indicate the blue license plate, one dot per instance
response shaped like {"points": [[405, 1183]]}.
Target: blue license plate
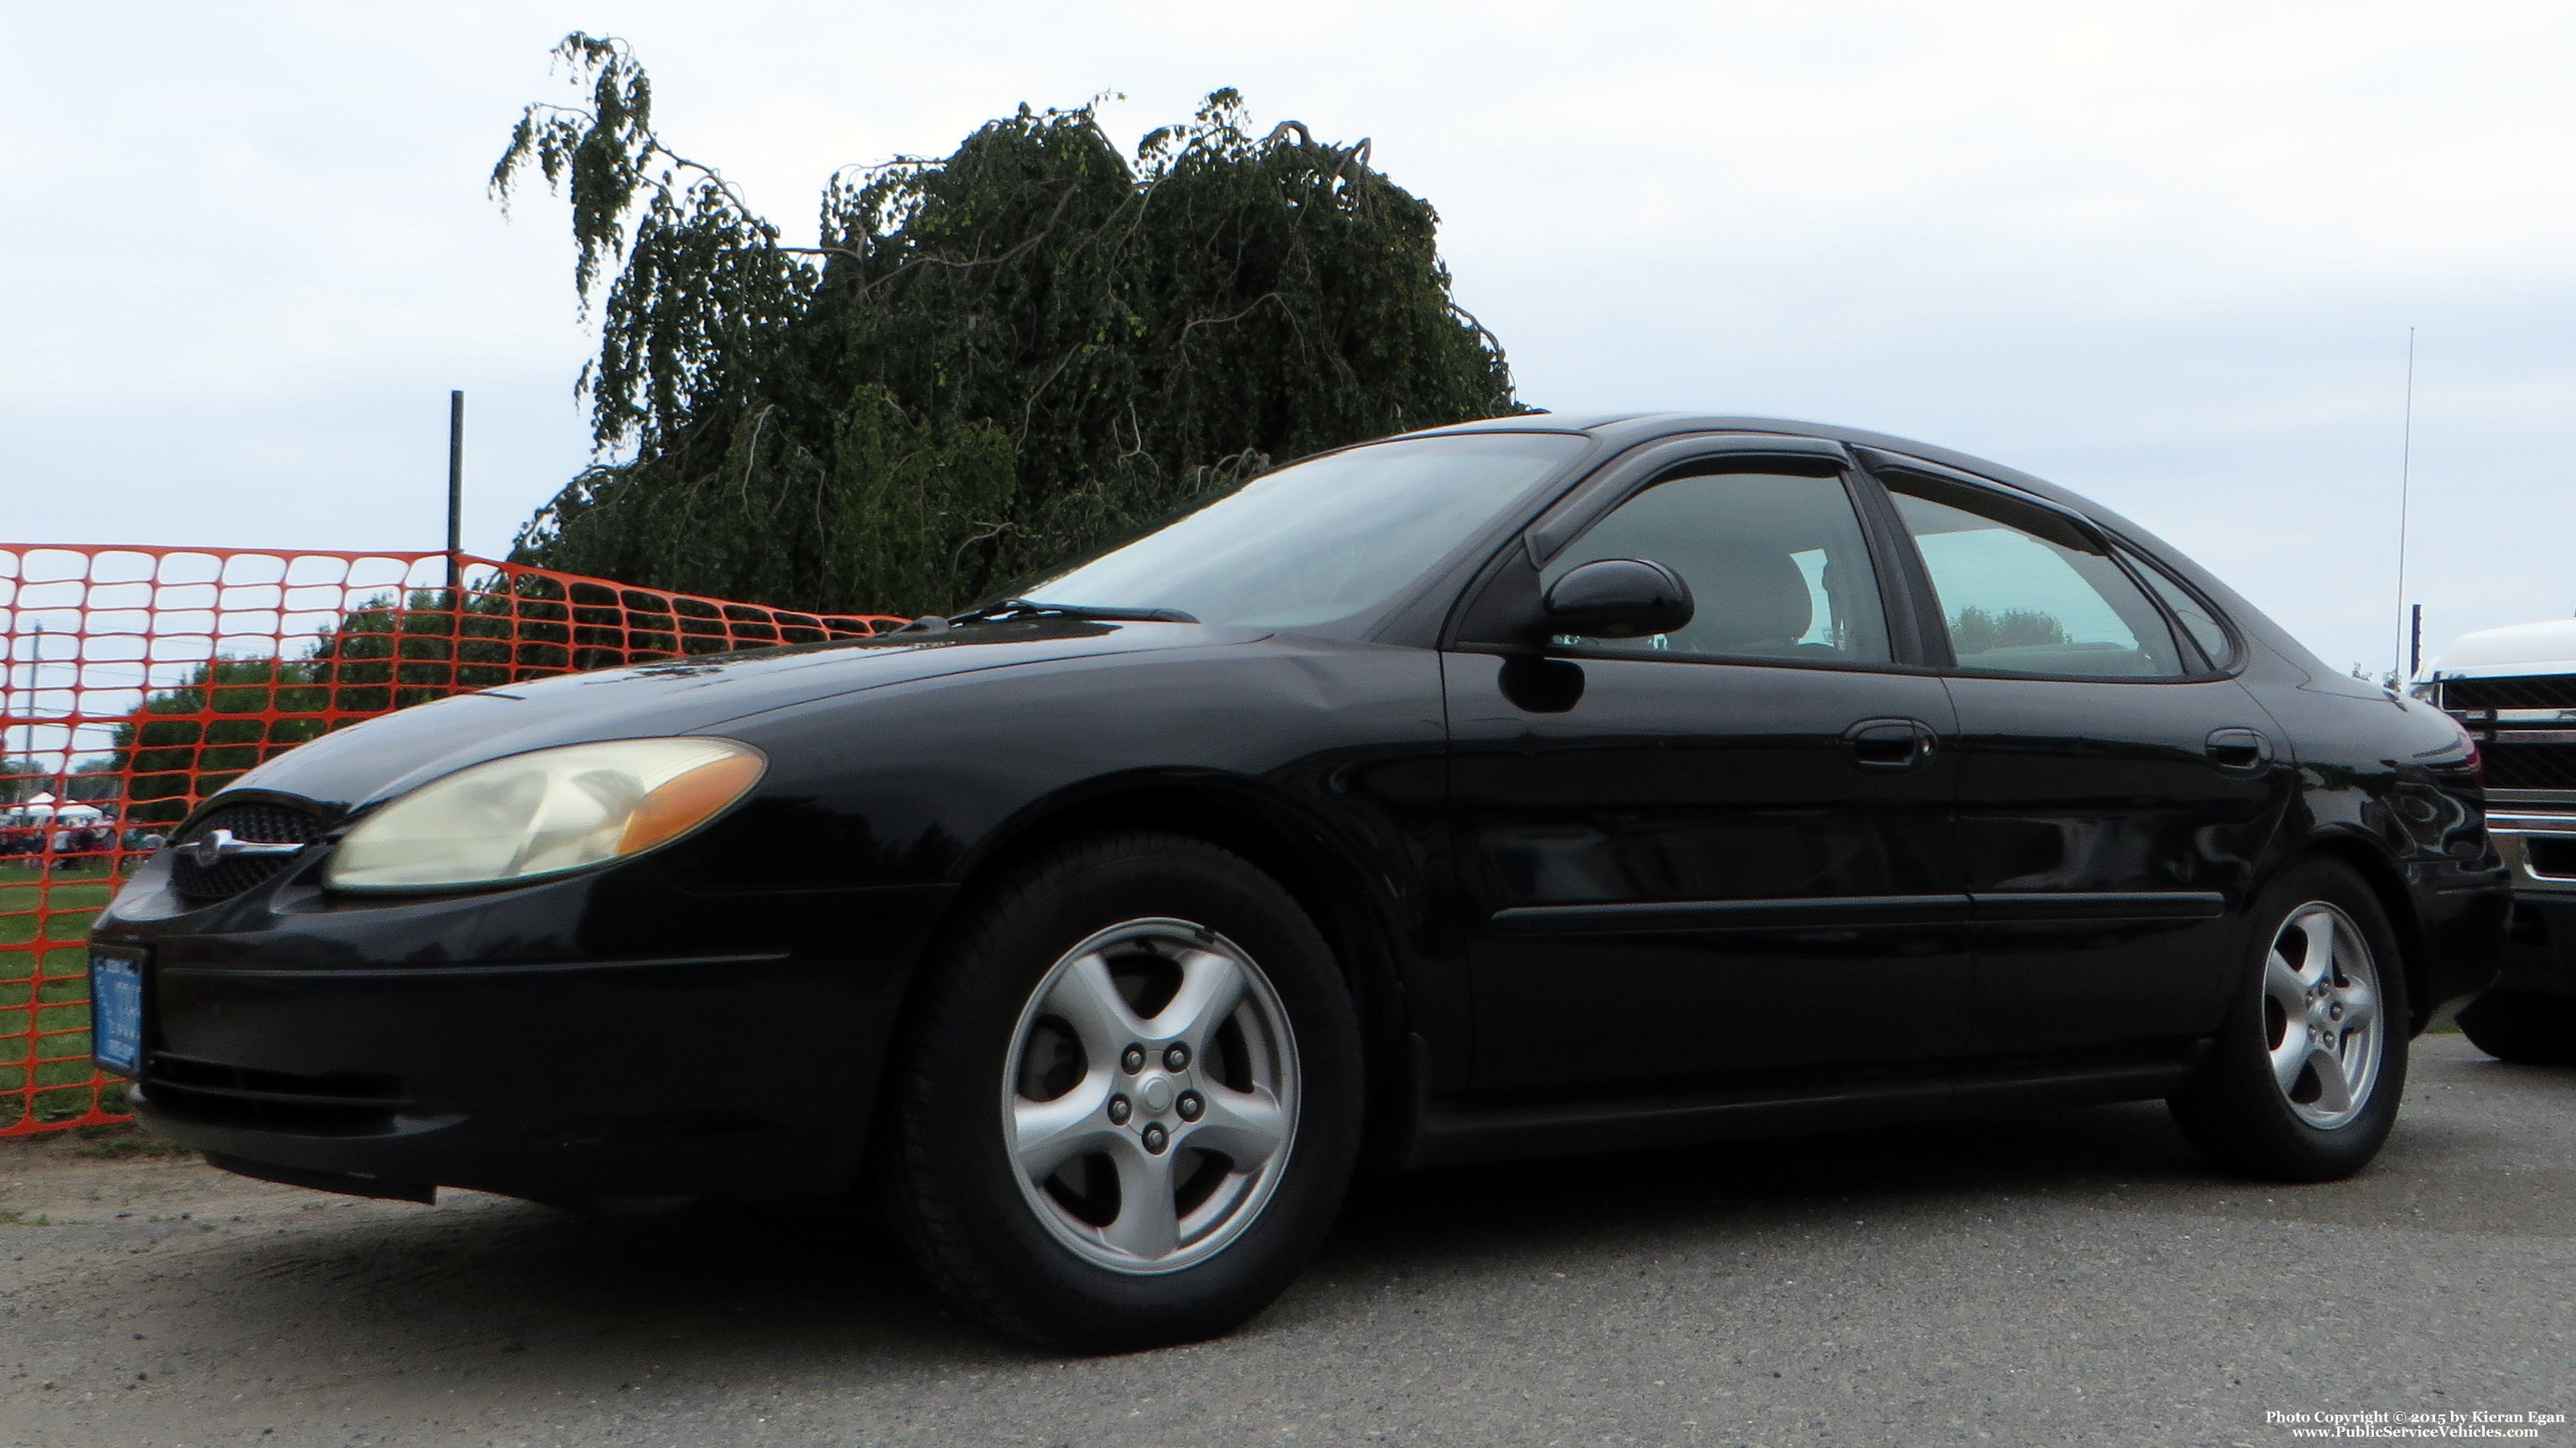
{"points": [[116, 1011]]}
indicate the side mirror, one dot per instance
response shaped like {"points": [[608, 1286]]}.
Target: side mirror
{"points": [[1617, 598]]}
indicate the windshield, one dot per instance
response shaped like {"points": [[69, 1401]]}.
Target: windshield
{"points": [[1321, 540]]}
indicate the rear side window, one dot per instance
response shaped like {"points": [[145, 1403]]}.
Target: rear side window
{"points": [[2025, 591], [2197, 620]]}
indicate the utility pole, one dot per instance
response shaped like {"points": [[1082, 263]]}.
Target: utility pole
{"points": [[8, 695], [35, 681], [456, 499], [2406, 483]]}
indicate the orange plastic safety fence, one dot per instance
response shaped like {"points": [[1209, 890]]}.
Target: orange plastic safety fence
{"points": [[139, 680]]}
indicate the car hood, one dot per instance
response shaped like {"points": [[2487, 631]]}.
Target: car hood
{"points": [[349, 769]]}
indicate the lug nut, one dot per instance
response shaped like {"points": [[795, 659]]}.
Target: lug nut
{"points": [[1132, 1060], [1156, 1138], [1176, 1057], [1192, 1106], [1120, 1108]]}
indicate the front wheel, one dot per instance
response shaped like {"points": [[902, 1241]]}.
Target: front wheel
{"points": [[2305, 1077], [1126, 1104]]}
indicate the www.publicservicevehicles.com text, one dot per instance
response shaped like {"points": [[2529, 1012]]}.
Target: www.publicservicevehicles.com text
{"points": [[2445, 1424]]}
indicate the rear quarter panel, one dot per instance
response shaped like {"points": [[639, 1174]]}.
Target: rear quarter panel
{"points": [[2390, 780]]}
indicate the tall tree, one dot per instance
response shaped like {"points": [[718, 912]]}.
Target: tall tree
{"points": [[987, 364]]}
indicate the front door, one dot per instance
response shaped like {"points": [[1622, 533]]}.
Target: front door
{"points": [[1723, 852], [2115, 788]]}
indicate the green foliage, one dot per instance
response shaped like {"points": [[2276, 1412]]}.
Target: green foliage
{"points": [[382, 655], [1976, 630], [391, 652], [94, 779], [176, 760], [991, 363], [23, 777]]}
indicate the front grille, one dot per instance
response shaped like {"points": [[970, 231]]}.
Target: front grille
{"points": [[2529, 766], [266, 824], [334, 1103], [2512, 763], [2544, 691]]}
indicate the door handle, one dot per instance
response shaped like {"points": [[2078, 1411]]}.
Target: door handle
{"points": [[1889, 743], [2239, 748]]}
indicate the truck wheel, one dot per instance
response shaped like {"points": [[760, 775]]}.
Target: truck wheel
{"points": [[2305, 1078], [2522, 1027], [1126, 1105]]}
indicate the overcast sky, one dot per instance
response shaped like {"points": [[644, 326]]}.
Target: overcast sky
{"points": [[2166, 255]]}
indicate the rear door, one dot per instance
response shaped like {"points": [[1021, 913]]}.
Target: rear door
{"points": [[2116, 787], [1726, 851]]}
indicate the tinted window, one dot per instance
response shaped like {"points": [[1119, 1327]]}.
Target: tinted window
{"points": [[2025, 591], [1774, 560], [2197, 620], [1321, 540]]}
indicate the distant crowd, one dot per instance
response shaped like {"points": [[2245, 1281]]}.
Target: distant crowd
{"points": [[36, 845]]}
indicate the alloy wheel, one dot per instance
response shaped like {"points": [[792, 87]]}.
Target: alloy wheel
{"points": [[2322, 1021], [1150, 1098]]}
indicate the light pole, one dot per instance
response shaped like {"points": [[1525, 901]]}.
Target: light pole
{"points": [[455, 499]]}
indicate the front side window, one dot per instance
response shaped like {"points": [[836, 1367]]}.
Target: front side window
{"points": [[1774, 560], [1323, 540], [2025, 591]]}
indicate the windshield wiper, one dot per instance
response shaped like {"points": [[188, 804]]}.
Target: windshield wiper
{"points": [[1031, 608]]}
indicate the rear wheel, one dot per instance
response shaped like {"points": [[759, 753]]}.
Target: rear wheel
{"points": [[2305, 1078], [2523, 1028], [1126, 1106]]}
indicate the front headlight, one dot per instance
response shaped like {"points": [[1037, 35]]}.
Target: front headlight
{"points": [[544, 813]]}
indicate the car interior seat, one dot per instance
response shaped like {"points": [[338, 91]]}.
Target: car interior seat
{"points": [[1749, 601]]}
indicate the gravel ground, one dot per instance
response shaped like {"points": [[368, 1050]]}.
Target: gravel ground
{"points": [[2072, 1278]]}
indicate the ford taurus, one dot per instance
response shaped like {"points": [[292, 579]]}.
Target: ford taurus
{"points": [[1537, 786]]}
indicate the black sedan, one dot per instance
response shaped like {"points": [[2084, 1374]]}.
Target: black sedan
{"points": [[1536, 786]]}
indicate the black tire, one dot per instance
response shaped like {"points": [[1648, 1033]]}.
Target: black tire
{"points": [[953, 1189], [2522, 1027], [2237, 1112]]}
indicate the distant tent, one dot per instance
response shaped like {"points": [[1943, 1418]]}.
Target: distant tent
{"points": [[42, 809]]}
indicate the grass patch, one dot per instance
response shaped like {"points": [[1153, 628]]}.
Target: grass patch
{"points": [[123, 1141], [73, 900], [64, 1090], [44, 994]]}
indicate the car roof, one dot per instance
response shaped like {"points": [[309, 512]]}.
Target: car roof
{"points": [[1627, 429], [1623, 430]]}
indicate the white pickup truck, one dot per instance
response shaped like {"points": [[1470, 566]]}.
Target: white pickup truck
{"points": [[2515, 690]]}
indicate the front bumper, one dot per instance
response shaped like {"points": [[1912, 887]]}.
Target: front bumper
{"points": [[2540, 946], [613, 1035], [2538, 843]]}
